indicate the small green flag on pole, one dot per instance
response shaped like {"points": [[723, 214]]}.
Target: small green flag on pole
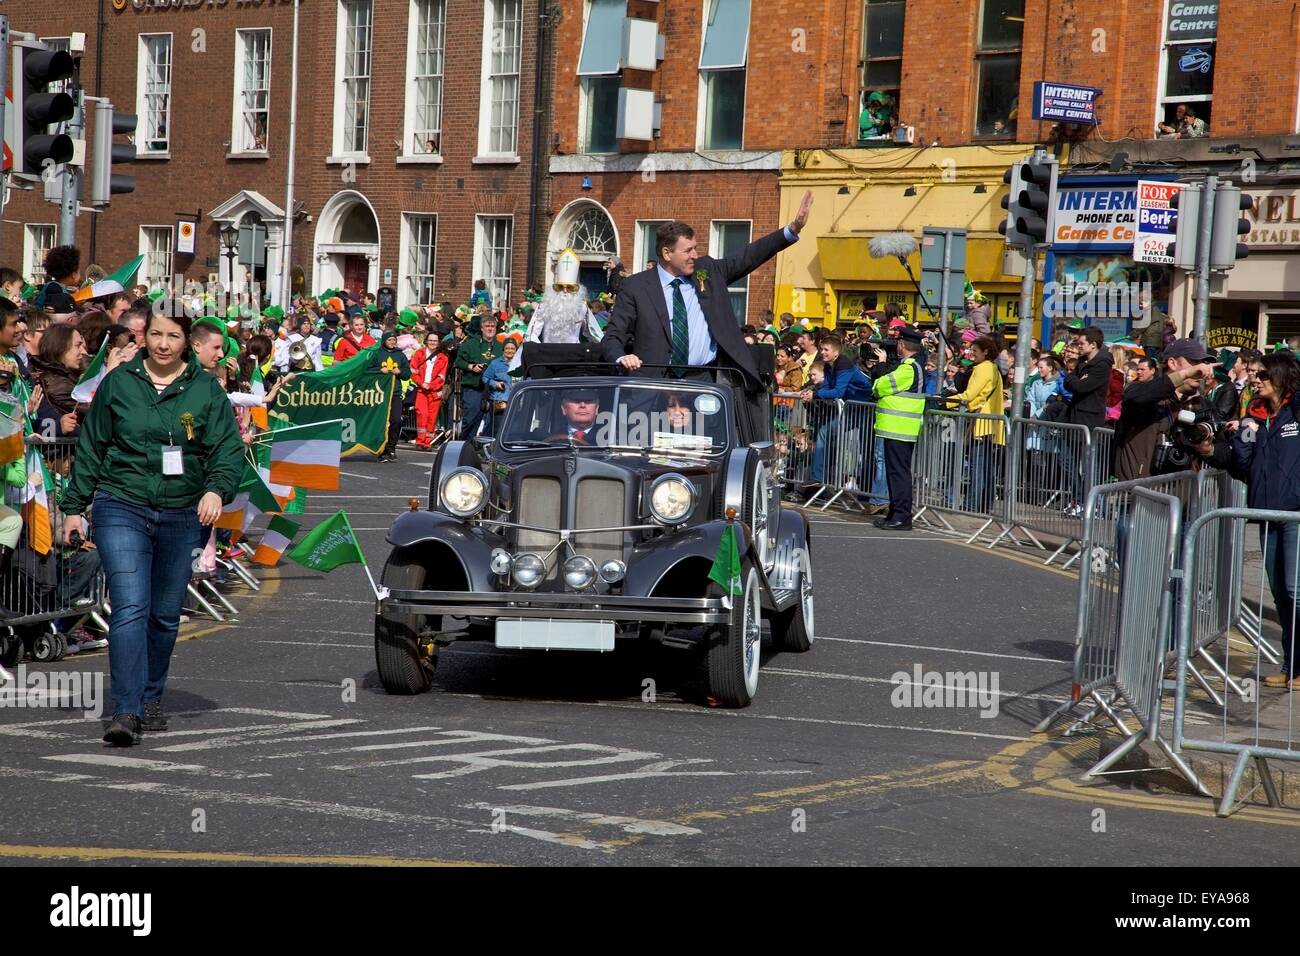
{"points": [[726, 564], [329, 545]]}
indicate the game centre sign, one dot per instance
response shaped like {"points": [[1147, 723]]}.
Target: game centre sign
{"points": [[1095, 216], [1064, 103], [1192, 21]]}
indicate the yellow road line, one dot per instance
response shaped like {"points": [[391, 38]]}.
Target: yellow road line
{"points": [[90, 854]]}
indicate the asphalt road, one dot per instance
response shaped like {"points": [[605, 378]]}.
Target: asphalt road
{"points": [[284, 748]]}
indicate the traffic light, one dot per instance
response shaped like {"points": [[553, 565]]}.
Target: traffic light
{"points": [[36, 108], [1029, 202], [1187, 204], [1225, 250], [104, 183]]}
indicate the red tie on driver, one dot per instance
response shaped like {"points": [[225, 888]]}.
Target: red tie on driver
{"points": [[579, 435]]}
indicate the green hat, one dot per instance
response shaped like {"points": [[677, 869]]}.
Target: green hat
{"points": [[1282, 347], [876, 97], [1227, 358], [156, 294], [370, 308], [29, 291], [407, 318], [273, 312], [1078, 325], [960, 324], [967, 362]]}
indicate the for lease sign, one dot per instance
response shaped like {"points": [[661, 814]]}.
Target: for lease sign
{"points": [[1157, 221]]}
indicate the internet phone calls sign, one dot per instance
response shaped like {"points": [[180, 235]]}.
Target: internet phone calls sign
{"points": [[1157, 221], [1065, 103], [1095, 218]]}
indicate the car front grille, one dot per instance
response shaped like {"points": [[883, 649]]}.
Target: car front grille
{"points": [[541, 504], [599, 504]]}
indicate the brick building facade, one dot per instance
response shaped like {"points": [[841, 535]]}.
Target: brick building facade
{"points": [[414, 139]]}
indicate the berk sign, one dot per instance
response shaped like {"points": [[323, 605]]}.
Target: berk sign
{"points": [[1157, 221]]}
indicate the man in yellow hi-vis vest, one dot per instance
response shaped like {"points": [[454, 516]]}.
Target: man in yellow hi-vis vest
{"points": [[900, 410]]}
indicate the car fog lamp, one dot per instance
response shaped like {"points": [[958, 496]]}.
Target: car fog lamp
{"points": [[672, 499], [579, 572], [501, 562], [528, 570], [464, 492], [611, 572]]}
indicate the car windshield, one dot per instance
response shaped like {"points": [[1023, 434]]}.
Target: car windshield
{"points": [[626, 417]]}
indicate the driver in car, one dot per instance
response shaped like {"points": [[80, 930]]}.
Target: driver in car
{"points": [[580, 408]]}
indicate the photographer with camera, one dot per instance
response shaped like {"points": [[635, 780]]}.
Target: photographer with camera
{"points": [[1166, 423], [1263, 450]]}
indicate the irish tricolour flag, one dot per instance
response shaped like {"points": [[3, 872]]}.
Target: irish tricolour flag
{"points": [[84, 390], [279, 535], [36, 504], [11, 433], [254, 498], [307, 456]]}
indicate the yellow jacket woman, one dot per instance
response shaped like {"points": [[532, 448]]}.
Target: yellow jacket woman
{"points": [[984, 395]]}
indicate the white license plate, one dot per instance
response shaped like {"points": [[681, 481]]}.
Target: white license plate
{"points": [[555, 635]]}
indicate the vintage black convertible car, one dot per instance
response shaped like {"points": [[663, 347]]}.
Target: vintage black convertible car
{"points": [[596, 515]]}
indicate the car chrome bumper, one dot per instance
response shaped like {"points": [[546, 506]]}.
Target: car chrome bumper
{"points": [[555, 606]]}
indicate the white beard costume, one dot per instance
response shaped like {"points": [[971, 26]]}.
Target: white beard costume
{"points": [[562, 314]]}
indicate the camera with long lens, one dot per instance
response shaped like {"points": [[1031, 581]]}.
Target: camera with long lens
{"points": [[1176, 449]]}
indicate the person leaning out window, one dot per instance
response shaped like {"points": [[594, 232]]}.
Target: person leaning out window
{"points": [[158, 455]]}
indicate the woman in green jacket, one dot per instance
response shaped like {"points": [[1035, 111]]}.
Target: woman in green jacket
{"points": [[158, 455]]}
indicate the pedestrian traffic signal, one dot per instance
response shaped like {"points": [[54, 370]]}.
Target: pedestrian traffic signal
{"points": [[104, 183], [1229, 203], [1186, 204], [1029, 202], [36, 108]]}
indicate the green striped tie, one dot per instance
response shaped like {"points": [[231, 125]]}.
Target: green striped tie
{"points": [[681, 331]]}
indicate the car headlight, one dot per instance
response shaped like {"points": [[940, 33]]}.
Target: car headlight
{"points": [[579, 572], [672, 499], [501, 561], [613, 571], [528, 571], [464, 492]]}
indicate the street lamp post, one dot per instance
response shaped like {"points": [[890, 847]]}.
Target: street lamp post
{"points": [[230, 239]]}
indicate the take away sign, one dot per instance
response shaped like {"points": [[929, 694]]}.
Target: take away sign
{"points": [[1157, 221]]}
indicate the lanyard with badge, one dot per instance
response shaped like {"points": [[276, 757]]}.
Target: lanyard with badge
{"points": [[173, 460]]}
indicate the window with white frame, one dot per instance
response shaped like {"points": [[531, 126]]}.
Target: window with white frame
{"points": [[1187, 92], [599, 64], [421, 238], [502, 51], [493, 259], [425, 50], [722, 74], [156, 247], [727, 238], [154, 93], [252, 90], [644, 247], [352, 102], [882, 67], [38, 240]]}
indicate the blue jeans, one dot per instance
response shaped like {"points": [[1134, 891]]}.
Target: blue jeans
{"points": [[879, 487], [822, 449], [1278, 542], [983, 457], [148, 556], [472, 411]]}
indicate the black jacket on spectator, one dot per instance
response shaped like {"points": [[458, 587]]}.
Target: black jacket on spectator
{"points": [[1270, 463], [1087, 387], [1144, 414]]}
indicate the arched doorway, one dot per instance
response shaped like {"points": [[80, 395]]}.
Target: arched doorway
{"points": [[588, 229], [347, 244]]}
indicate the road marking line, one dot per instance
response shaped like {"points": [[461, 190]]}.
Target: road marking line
{"points": [[627, 824], [451, 737], [353, 474], [315, 644], [88, 854], [142, 763], [950, 650], [242, 738]]}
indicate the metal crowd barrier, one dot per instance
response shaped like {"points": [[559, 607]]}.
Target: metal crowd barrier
{"points": [[1261, 724], [852, 460], [1107, 518], [1057, 469], [1149, 577], [818, 447], [957, 470], [1103, 444]]}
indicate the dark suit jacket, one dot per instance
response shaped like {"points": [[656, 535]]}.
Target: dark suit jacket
{"points": [[641, 325]]}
